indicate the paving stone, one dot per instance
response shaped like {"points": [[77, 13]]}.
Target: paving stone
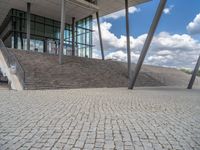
{"points": [[143, 119]]}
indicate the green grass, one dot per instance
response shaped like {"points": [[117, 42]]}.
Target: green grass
{"points": [[189, 71]]}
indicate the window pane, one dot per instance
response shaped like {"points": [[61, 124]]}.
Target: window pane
{"points": [[32, 28], [39, 29], [49, 22], [39, 19], [49, 31]]}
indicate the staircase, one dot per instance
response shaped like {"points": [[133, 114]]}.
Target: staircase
{"points": [[42, 71]]}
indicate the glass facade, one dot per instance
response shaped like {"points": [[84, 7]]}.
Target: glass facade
{"points": [[45, 34]]}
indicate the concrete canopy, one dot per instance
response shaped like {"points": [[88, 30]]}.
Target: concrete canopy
{"points": [[74, 8], [110, 6], [50, 8]]}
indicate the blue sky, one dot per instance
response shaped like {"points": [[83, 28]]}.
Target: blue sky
{"points": [[175, 26], [183, 12]]}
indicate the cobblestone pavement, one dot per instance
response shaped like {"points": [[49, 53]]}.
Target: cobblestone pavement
{"points": [[144, 119]]}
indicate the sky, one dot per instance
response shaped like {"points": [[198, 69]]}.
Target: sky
{"points": [[176, 42]]}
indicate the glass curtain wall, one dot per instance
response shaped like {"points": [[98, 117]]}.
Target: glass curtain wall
{"points": [[45, 34], [84, 35]]}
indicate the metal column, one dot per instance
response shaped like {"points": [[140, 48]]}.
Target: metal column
{"points": [[20, 34], [28, 32], [128, 40], [15, 35], [62, 29], [100, 36], [45, 45], [73, 36], [194, 74], [148, 42]]}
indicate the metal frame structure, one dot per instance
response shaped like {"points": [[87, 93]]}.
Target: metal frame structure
{"points": [[74, 8], [44, 32], [28, 25], [100, 36], [147, 43], [194, 74], [128, 39], [62, 28]]}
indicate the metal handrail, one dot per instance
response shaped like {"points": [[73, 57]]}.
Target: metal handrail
{"points": [[11, 60], [157, 76]]}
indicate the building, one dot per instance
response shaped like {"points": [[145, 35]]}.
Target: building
{"points": [[64, 27], [45, 34], [35, 24]]}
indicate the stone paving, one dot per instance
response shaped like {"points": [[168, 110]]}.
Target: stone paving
{"points": [[143, 119]]}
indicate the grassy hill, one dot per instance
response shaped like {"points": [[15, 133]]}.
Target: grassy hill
{"points": [[190, 72]]}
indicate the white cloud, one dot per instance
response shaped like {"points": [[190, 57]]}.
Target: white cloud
{"points": [[164, 53], [96, 54], [168, 10], [194, 26], [121, 13], [179, 50], [121, 56]]}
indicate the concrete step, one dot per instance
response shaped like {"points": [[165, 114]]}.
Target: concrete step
{"points": [[42, 71]]}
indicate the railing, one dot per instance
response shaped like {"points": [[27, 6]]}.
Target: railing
{"points": [[157, 76], [11, 60]]}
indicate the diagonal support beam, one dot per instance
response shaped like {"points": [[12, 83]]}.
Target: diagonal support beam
{"points": [[194, 74], [148, 42], [128, 39], [100, 36], [62, 29]]}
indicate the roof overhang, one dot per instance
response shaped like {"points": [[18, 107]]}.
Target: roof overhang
{"points": [[74, 8], [50, 8], [107, 7]]}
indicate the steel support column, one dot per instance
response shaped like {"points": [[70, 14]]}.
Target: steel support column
{"points": [[73, 36], [128, 39], [45, 46], [194, 74], [100, 36], [15, 35], [148, 42], [28, 26], [20, 34], [62, 29]]}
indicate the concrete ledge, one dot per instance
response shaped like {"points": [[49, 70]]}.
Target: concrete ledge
{"points": [[13, 79]]}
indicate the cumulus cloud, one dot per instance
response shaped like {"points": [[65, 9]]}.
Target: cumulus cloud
{"points": [[194, 26], [168, 10], [179, 50], [121, 13], [96, 54], [121, 56]]}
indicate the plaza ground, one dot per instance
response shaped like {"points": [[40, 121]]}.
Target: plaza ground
{"points": [[116, 118]]}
